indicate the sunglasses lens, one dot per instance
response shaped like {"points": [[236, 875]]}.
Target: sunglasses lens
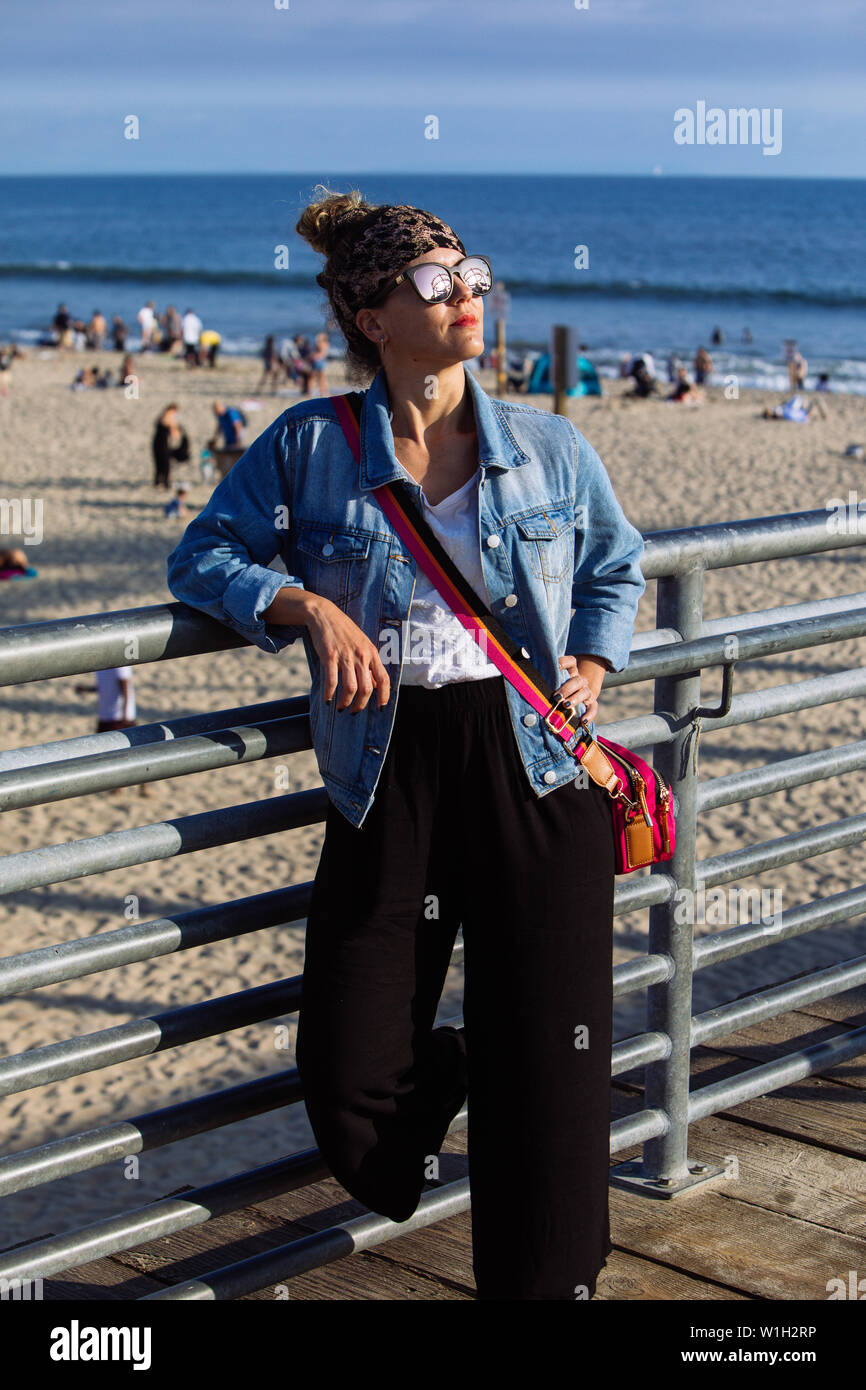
{"points": [[477, 276], [434, 284]]}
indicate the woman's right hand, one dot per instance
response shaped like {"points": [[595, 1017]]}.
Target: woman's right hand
{"points": [[348, 656]]}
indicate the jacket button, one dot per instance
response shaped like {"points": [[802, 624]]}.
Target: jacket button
{"points": [[530, 720], [493, 541], [550, 776], [510, 600], [327, 550]]}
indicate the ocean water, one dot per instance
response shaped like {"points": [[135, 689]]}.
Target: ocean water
{"points": [[668, 259]]}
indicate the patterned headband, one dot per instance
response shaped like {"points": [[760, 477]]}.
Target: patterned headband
{"points": [[376, 246]]}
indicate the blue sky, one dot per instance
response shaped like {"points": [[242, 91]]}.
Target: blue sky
{"points": [[516, 85]]}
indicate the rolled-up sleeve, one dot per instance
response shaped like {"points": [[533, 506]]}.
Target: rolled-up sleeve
{"points": [[220, 564], [608, 580]]}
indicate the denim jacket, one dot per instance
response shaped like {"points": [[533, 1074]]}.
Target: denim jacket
{"points": [[551, 533]]}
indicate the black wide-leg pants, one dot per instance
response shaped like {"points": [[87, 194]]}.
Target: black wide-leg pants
{"points": [[456, 833]]}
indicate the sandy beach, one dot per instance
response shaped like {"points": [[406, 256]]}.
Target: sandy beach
{"points": [[106, 539]]}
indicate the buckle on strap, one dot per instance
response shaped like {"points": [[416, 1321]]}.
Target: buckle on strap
{"points": [[565, 713]]}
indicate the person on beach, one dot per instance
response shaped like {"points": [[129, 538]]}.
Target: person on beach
{"points": [[644, 382], [177, 506], [147, 324], [450, 801], [8, 354], [300, 364], [170, 442], [15, 565], [685, 392], [96, 331], [231, 424], [115, 690], [797, 369], [128, 371], [210, 345], [119, 333], [192, 327], [172, 330], [319, 362], [271, 364], [61, 325], [795, 410], [703, 365]]}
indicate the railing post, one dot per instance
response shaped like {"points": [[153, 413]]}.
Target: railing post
{"points": [[666, 1168]]}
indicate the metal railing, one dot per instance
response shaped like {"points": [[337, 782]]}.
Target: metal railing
{"points": [[673, 656]]}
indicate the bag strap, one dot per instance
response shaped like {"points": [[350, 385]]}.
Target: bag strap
{"points": [[473, 613]]}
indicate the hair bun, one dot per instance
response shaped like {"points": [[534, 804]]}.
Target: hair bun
{"points": [[322, 222]]}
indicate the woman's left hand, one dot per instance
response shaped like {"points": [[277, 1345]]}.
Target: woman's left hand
{"points": [[582, 684]]}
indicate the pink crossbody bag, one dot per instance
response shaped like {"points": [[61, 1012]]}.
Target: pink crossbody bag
{"points": [[642, 804]]}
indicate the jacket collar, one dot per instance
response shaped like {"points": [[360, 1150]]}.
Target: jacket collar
{"points": [[379, 463]]}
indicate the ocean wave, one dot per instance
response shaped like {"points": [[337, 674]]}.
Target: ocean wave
{"points": [[592, 289]]}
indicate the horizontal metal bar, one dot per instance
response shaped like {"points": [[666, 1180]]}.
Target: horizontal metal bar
{"points": [[640, 973], [726, 543], [55, 1254], [643, 891], [781, 776], [143, 1036], [637, 1129], [200, 926], [681, 658], [118, 849], [71, 960], [779, 999], [97, 641], [787, 849], [785, 612], [660, 637], [796, 921], [771, 1076], [317, 1249], [651, 730], [637, 1051], [143, 1133], [152, 762], [791, 697], [116, 740]]}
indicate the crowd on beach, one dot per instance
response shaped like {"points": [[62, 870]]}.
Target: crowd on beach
{"points": [[688, 388], [178, 335]]}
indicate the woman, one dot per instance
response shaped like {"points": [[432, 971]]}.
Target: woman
{"points": [[450, 802], [169, 442]]}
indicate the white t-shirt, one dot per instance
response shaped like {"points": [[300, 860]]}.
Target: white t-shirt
{"points": [[146, 318], [438, 647], [191, 328], [111, 696]]}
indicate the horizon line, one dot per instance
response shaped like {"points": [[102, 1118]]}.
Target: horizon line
{"points": [[423, 173]]}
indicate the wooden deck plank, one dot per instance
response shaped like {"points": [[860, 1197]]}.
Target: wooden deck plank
{"points": [[713, 1235]]}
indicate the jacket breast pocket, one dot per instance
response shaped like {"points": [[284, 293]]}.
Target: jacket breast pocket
{"points": [[334, 559], [546, 538]]}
